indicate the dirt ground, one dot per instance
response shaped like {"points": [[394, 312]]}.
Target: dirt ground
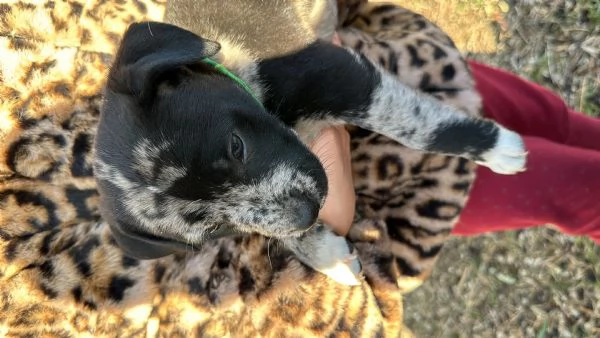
{"points": [[536, 282]]}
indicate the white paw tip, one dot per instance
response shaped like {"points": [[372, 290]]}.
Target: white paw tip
{"points": [[344, 272], [508, 155]]}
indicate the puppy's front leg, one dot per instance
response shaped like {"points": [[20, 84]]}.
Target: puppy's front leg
{"points": [[323, 81], [327, 253]]}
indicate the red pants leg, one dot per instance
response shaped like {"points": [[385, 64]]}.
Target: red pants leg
{"points": [[533, 110], [561, 185]]}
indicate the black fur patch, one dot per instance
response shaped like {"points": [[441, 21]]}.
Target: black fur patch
{"points": [[77, 293], [246, 281], [48, 291], [128, 262], [195, 216], [359, 45], [462, 187], [159, 272], [461, 167], [78, 198], [47, 269], [439, 53], [405, 268], [393, 61], [448, 72], [81, 148], [117, 287], [195, 285], [480, 135], [4, 236], [424, 183], [10, 251], [223, 258], [385, 265], [362, 157], [396, 223], [430, 209], [45, 247], [80, 255], [415, 59], [425, 82], [90, 304], [336, 84]]}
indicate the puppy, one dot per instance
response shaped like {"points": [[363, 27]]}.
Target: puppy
{"points": [[187, 152]]}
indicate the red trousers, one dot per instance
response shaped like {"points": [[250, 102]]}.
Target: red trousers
{"points": [[561, 185]]}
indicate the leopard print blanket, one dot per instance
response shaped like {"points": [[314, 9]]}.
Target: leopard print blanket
{"points": [[61, 273]]}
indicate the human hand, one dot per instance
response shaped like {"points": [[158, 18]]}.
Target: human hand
{"points": [[332, 147]]}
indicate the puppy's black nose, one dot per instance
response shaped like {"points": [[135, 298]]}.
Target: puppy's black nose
{"points": [[307, 213]]}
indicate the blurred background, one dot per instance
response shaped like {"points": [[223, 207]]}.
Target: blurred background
{"points": [[531, 283]]}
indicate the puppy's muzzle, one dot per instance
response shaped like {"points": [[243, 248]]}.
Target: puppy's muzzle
{"points": [[304, 210], [307, 213]]}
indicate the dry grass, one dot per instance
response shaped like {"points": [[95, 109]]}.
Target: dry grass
{"points": [[537, 282], [454, 15], [557, 44]]}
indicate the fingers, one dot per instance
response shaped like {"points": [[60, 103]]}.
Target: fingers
{"points": [[332, 147]]}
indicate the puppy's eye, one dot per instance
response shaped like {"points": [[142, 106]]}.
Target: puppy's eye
{"points": [[237, 148]]}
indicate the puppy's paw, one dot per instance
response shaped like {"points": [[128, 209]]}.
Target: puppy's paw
{"points": [[337, 259], [508, 155], [327, 253]]}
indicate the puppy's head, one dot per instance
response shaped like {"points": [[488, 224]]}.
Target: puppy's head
{"points": [[184, 154]]}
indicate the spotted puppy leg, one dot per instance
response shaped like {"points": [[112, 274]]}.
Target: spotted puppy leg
{"points": [[346, 87]]}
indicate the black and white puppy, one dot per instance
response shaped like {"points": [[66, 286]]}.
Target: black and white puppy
{"points": [[185, 154]]}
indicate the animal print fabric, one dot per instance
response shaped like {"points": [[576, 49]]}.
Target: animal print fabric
{"points": [[61, 273], [419, 196]]}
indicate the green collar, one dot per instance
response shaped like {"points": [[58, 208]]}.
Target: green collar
{"points": [[232, 76]]}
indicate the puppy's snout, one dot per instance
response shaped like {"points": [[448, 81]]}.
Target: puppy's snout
{"points": [[307, 212]]}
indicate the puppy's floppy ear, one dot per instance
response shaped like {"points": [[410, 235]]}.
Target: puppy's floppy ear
{"points": [[148, 50]]}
